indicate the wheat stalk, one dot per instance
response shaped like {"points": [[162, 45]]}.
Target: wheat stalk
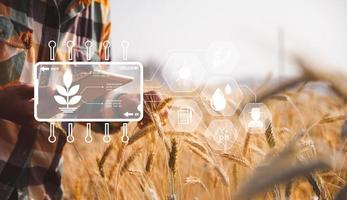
{"points": [[235, 177], [101, 162], [331, 119], [153, 195], [197, 145], [313, 71], [77, 192], [173, 164], [222, 174], [158, 124], [112, 170], [246, 144], [257, 150], [276, 192], [150, 161], [191, 180], [129, 160], [275, 171], [120, 152], [269, 135], [241, 161], [269, 177], [288, 190], [202, 155], [207, 158], [163, 104], [316, 184], [173, 156], [141, 133]]}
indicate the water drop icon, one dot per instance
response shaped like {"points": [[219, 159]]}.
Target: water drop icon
{"points": [[227, 89], [218, 101]]}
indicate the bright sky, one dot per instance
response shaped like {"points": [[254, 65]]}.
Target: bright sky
{"points": [[155, 27]]}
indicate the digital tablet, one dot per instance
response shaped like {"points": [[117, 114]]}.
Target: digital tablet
{"points": [[88, 91]]}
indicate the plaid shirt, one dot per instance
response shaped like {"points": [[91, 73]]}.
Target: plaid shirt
{"points": [[29, 164]]}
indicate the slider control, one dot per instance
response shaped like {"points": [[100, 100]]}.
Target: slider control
{"points": [[52, 45], [70, 45], [107, 49], [125, 45], [70, 138], [51, 137], [107, 137], [88, 138], [88, 44], [125, 137]]}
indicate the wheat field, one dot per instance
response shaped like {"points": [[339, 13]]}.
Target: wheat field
{"points": [[302, 155]]}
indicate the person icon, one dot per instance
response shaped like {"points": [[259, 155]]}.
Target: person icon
{"points": [[255, 123]]}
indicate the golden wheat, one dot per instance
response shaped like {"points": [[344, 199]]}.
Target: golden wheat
{"points": [[174, 162]]}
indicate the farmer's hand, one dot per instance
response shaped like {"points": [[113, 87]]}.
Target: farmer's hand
{"points": [[47, 108], [151, 100], [16, 104], [130, 103]]}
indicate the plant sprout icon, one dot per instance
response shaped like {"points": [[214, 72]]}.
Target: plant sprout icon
{"points": [[68, 94]]}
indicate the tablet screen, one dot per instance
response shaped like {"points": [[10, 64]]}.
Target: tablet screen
{"points": [[88, 91]]}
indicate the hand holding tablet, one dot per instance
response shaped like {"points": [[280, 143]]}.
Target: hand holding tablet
{"points": [[84, 88]]}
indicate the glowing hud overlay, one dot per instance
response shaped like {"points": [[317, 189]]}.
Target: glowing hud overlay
{"points": [[88, 91]]}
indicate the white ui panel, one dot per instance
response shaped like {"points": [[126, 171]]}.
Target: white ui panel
{"points": [[88, 91]]}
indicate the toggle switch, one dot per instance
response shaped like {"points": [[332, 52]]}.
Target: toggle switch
{"points": [[51, 137], [125, 137], [70, 45], [107, 137], [125, 45], [52, 45], [88, 44], [107, 49], [88, 139], [70, 138]]}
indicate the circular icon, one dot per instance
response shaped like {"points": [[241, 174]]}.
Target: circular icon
{"points": [[255, 118], [183, 72], [221, 134], [184, 115], [221, 96]]}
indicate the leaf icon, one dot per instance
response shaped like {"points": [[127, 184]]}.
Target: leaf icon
{"points": [[61, 90], [73, 90], [61, 100], [67, 78], [74, 100], [67, 91]]}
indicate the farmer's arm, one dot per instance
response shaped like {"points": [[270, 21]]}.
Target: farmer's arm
{"points": [[16, 103]]}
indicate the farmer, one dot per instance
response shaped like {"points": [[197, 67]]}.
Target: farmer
{"points": [[30, 165]]}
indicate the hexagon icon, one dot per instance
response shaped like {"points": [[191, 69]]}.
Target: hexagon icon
{"points": [[255, 118], [184, 115], [221, 96], [222, 57], [221, 134], [183, 72]]}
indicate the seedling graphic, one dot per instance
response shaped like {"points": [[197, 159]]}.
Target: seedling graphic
{"points": [[68, 94]]}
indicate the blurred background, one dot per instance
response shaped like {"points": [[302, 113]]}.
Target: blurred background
{"points": [[157, 161], [263, 32]]}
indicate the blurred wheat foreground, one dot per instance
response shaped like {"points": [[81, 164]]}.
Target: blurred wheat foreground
{"points": [[302, 155]]}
